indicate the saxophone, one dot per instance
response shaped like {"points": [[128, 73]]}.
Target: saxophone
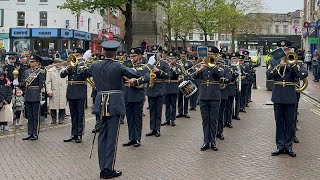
{"points": [[153, 76]]}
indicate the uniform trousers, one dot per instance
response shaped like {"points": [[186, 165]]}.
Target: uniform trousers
{"points": [[222, 110], [285, 125], [236, 108], [33, 110], [244, 93], [77, 107], [248, 97], [194, 99], [108, 141], [209, 113], [171, 106], [155, 108], [228, 111], [183, 104], [134, 118]]}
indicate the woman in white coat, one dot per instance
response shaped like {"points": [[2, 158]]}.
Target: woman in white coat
{"points": [[57, 90]]}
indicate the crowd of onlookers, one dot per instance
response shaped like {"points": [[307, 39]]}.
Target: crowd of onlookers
{"points": [[313, 64]]}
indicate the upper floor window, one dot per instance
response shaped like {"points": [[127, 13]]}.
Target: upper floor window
{"points": [[21, 0], [223, 37], [285, 29], [89, 24], [211, 38], [43, 0], [191, 36], [21, 19], [1, 17], [43, 18], [277, 29], [201, 37]]}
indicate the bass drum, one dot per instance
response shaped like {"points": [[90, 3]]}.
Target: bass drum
{"points": [[187, 88]]}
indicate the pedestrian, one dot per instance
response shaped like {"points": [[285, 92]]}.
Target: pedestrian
{"points": [[2, 55], [308, 60], [5, 100], [315, 62], [17, 105], [110, 104], [57, 90]]}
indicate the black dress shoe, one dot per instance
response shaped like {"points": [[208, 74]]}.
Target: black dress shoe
{"points": [[122, 121], [220, 136], [157, 134], [136, 143], [108, 174], [225, 125], [27, 138], [296, 140], [179, 116], [34, 138], [192, 109], [70, 139], [277, 152], [151, 133], [129, 143], [214, 147], [102, 174], [204, 147], [247, 105], [242, 110], [291, 153], [173, 123], [236, 118], [230, 125], [165, 123], [78, 139], [186, 116], [95, 131], [250, 100]]}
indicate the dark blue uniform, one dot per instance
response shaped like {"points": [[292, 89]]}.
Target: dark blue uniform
{"points": [[134, 97], [284, 98], [210, 96], [251, 80], [76, 95], [109, 106], [244, 86], [155, 97], [183, 102], [194, 97], [232, 92]]}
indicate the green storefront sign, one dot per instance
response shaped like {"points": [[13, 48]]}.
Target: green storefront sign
{"points": [[313, 40]]}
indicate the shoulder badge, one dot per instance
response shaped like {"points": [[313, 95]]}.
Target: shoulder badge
{"points": [[209, 49], [282, 43], [132, 50]]}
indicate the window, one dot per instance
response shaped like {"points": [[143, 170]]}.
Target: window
{"points": [[1, 17], [201, 36], [43, 18], [223, 37], [89, 24], [78, 20], [43, 0], [211, 38], [268, 30], [98, 25], [190, 36], [21, 0], [21, 18], [285, 29], [277, 29]]}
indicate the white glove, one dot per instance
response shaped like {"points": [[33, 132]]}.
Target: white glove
{"points": [[42, 102], [15, 82], [152, 60]]}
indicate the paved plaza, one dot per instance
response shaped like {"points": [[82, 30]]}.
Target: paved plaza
{"points": [[244, 154]]}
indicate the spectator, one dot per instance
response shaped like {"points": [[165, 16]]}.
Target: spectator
{"points": [[315, 61], [307, 60], [23, 67], [5, 100], [17, 105], [9, 68], [57, 91], [2, 55]]}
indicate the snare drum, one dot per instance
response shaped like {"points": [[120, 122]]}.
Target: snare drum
{"points": [[188, 88]]}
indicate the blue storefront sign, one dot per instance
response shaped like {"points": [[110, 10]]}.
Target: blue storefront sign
{"points": [[79, 34], [44, 32], [66, 33], [19, 32], [88, 36]]}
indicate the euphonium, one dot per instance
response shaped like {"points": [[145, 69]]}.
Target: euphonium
{"points": [[72, 60], [304, 85], [291, 58]]}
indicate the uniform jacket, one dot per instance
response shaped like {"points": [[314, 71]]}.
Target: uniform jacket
{"points": [[136, 93], [210, 91], [58, 87], [232, 86], [159, 88], [227, 78], [107, 76], [75, 91], [33, 92], [245, 72], [173, 87], [285, 94]]}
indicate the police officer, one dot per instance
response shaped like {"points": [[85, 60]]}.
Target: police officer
{"points": [[156, 92], [110, 104], [134, 96], [34, 82], [210, 95], [284, 98], [244, 83], [76, 95], [183, 102], [172, 89], [194, 97]]}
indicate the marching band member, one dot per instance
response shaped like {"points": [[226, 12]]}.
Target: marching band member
{"points": [[194, 97], [244, 83], [172, 90], [109, 104], [156, 92], [248, 61], [183, 102], [33, 82], [236, 109], [76, 95], [210, 95], [134, 96]]}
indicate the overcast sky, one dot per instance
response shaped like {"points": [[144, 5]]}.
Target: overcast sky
{"points": [[283, 6]]}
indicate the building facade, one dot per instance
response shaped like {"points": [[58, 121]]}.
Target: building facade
{"points": [[39, 25], [311, 25]]}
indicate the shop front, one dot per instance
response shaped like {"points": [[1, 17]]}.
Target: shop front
{"points": [[44, 40], [4, 41], [66, 35]]}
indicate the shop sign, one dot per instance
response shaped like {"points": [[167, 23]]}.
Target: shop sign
{"points": [[313, 40], [88, 36], [66, 33], [19, 32], [79, 35], [44, 32]]}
